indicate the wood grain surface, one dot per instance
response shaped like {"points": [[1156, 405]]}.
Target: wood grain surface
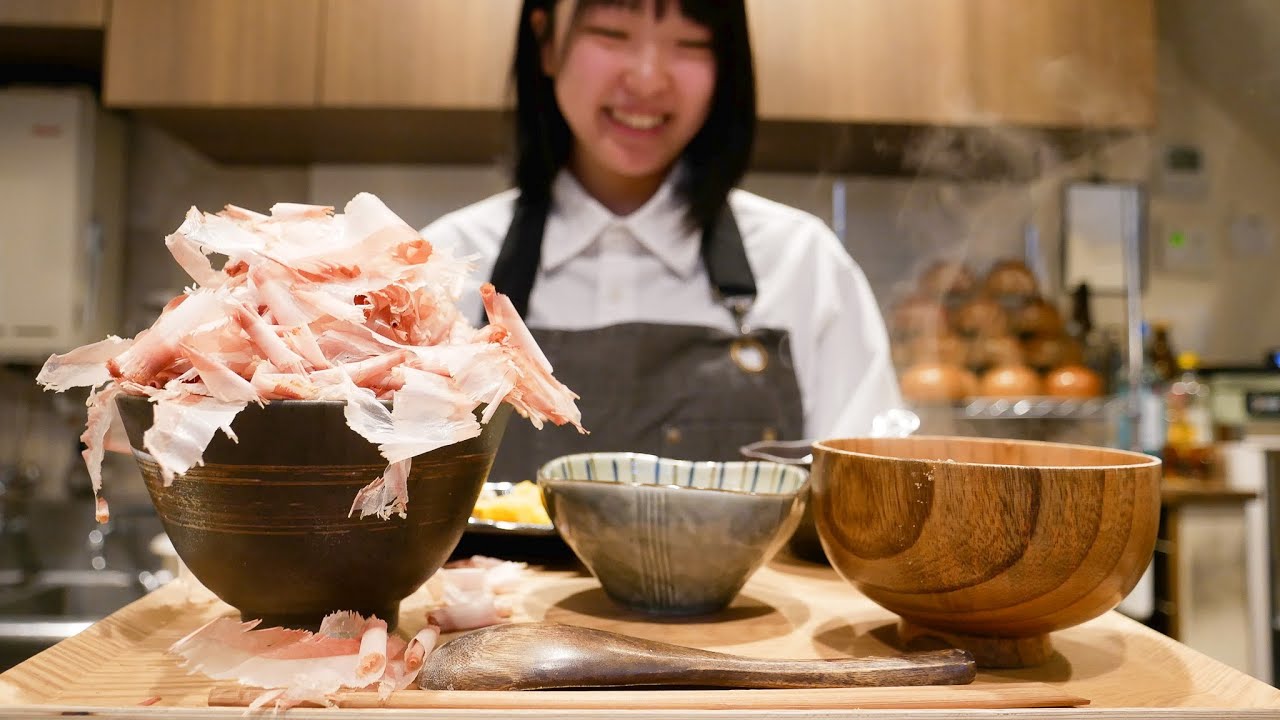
{"points": [[1000, 539], [1175, 491], [788, 610], [987, 697], [433, 54], [212, 53], [939, 62]]}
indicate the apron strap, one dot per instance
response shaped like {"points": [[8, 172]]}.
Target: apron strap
{"points": [[722, 254], [726, 259], [521, 254]]}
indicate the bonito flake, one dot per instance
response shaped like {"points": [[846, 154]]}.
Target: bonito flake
{"points": [[292, 667], [305, 304]]}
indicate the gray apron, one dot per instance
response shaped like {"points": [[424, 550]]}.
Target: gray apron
{"points": [[679, 391]]}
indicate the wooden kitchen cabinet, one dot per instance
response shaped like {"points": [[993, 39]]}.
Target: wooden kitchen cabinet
{"points": [[950, 62], [53, 13], [430, 54], [1064, 62], [213, 53], [363, 80], [957, 62], [865, 60], [1202, 568]]}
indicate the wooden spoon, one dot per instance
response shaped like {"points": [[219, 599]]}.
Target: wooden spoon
{"points": [[532, 656]]}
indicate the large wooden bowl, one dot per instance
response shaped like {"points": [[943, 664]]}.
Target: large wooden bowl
{"points": [[264, 522], [988, 545]]}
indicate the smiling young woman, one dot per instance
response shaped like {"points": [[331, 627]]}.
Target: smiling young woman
{"points": [[692, 317], [634, 89]]}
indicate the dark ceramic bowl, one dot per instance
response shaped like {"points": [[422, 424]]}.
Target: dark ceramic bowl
{"points": [[264, 522], [672, 537]]}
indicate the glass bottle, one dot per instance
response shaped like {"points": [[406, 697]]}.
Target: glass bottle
{"points": [[1150, 431], [1099, 348], [1162, 358], [1080, 325], [1188, 450]]}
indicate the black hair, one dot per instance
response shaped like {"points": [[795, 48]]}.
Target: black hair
{"points": [[717, 156]]}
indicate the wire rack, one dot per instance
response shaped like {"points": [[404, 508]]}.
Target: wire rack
{"points": [[1040, 408]]}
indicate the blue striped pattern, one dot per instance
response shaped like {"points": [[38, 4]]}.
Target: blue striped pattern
{"points": [[754, 476]]}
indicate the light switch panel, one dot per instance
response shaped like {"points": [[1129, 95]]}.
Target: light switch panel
{"points": [[1183, 248]]}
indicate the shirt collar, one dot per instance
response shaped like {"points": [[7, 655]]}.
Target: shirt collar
{"points": [[658, 225]]}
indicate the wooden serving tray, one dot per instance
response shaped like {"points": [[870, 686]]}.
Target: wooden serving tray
{"points": [[788, 610]]}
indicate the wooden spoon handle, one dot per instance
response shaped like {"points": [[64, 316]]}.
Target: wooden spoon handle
{"points": [[541, 656], [941, 667]]}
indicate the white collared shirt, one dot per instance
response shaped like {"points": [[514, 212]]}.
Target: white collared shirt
{"points": [[600, 269]]}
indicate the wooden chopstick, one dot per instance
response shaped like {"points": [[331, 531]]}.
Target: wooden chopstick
{"points": [[985, 696]]}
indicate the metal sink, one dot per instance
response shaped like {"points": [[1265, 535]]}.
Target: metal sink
{"points": [[60, 571]]}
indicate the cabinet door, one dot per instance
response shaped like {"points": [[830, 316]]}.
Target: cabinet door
{"points": [[956, 62], [1211, 584], [212, 53], [859, 60], [53, 13], [438, 54], [1064, 62]]}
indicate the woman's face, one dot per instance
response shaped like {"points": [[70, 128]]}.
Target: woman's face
{"points": [[633, 87]]}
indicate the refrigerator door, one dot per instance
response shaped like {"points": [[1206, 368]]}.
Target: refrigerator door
{"points": [[45, 183]]}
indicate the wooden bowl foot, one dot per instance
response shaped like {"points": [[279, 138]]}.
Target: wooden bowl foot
{"points": [[988, 651]]}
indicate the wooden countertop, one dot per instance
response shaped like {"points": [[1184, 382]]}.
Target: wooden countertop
{"points": [[789, 609], [1176, 490]]}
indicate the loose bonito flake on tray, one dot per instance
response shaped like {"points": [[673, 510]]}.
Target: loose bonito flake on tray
{"points": [[308, 305], [350, 651], [293, 666]]}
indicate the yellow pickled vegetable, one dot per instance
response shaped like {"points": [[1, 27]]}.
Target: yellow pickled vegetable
{"points": [[522, 505]]}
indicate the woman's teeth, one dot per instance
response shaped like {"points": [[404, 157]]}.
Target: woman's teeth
{"points": [[637, 121]]}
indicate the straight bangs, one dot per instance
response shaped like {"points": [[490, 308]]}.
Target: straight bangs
{"points": [[659, 7], [715, 159]]}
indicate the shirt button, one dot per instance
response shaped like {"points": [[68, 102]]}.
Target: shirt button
{"points": [[674, 436]]}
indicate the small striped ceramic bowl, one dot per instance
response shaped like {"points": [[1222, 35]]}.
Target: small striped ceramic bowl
{"points": [[671, 536]]}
